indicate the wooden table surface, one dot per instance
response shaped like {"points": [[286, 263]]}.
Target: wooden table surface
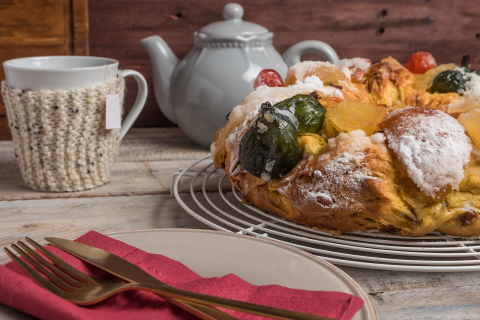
{"points": [[138, 197]]}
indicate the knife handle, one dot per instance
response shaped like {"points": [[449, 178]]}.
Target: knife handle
{"points": [[200, 310]]}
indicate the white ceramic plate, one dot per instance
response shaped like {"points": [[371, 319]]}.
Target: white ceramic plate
{"points": [[258, 261]]}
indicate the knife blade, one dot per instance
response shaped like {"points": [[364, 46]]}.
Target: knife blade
{"points": [[127, 271]]}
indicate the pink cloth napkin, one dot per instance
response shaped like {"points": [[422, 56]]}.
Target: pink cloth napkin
{"points": [[15, 284]]}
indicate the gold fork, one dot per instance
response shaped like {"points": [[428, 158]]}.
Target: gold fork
{"points": [[82, 289]]}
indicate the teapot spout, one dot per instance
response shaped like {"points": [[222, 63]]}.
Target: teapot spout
{"points": [[164, 62]]}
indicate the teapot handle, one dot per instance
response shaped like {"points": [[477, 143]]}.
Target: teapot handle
{"points": [[294, 53]]}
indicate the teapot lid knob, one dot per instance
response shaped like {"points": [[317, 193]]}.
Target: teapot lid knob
{"points": [[233, 28], [232, 11]]}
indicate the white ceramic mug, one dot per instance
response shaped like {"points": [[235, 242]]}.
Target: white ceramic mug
{"points": [[71, 72]]}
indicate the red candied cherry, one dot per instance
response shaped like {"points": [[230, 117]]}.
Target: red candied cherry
{"points": [[421, 62], [268, 77]]}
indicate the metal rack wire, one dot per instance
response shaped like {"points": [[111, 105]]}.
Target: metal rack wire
{"points": [[225, 210]]}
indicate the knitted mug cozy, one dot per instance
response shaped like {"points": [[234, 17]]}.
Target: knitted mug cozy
{"points": [[60, 138]]}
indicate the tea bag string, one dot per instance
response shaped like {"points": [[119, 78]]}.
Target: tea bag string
{"points": [[108, 72]]}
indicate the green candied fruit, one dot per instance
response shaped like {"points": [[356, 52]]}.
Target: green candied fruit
{"points": [[270, 148], [449, 81], [309, 113]]}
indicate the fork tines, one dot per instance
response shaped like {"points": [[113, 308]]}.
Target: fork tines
{"points": [[63, 277]]}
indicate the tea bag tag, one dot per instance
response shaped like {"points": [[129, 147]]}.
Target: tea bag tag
{"points": [[113, 117]]}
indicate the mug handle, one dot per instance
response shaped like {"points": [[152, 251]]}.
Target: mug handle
{"points": [[294, 53], [139, 102]]}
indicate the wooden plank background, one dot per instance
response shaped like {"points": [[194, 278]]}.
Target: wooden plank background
{"points": [[373, 29]]}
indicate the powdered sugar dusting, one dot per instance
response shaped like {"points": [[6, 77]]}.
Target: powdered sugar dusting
{"points": [[344, 171], [269, 165], [321, 197], [355, 68], [431, 145], [261, 128], [314, 83], [360, 63], [347, 72], [378, 138], [338, 175], [266, 176]]}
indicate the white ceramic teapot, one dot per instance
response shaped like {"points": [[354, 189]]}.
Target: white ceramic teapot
{"points": [[198, 92]]}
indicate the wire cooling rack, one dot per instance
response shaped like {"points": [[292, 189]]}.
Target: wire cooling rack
{"points": [[224, 209]]}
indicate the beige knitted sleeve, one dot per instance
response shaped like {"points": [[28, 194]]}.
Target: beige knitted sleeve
{"points": [[60, 138]]}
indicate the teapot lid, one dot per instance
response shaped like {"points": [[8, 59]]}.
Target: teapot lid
{"points": [[233, 27]]}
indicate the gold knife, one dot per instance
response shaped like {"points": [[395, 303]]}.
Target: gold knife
{"points": [[127, 271]]}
